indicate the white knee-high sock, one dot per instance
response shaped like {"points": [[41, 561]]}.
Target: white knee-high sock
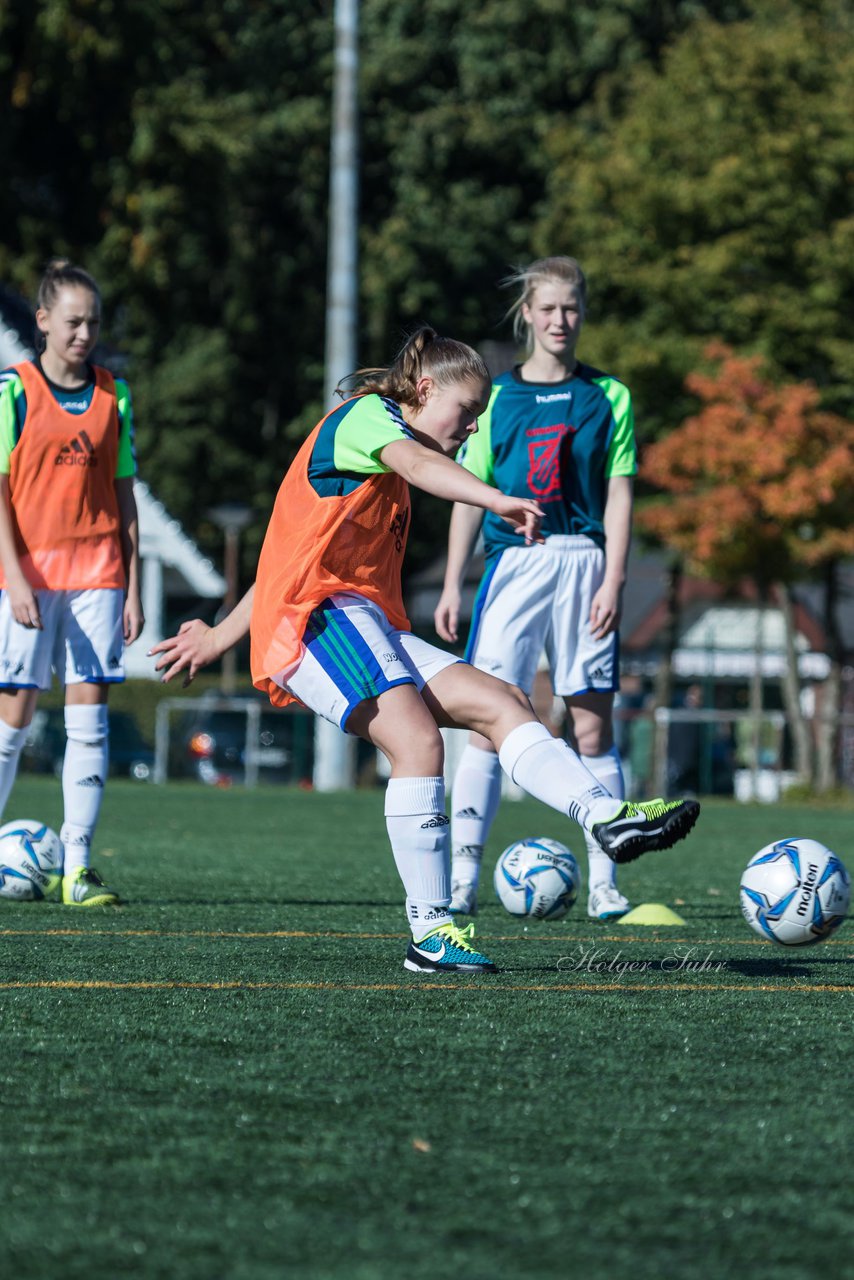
{"points": [[475, 799], [11, 741], [608, 770], [84, 773], [418, 830], [550, 770]]}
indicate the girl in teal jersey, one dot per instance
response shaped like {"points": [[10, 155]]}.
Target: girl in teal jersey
{"points": [[562, 433]]}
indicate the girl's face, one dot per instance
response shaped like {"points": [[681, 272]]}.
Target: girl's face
{"points": [[447, 415], [71, 326], [555, 313]]}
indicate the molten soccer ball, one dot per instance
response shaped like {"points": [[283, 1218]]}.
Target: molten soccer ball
{"points": [[31, 859], [795, 892], [538, 878]]}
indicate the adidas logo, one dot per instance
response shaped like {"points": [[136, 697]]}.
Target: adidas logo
{"points": [[92, 781], [597, 674], [467, 813], [438, 821], [79, 453]]}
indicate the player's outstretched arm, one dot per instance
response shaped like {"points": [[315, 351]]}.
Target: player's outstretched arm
{"points": [[462, 535], [197, 645], [436, 474]]}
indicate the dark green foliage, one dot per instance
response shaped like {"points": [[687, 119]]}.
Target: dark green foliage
{"points": [[181, 152], [348, 1120], [710, 198]]}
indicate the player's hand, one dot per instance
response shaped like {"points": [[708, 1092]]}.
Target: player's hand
{"points": [[190, 650], [133, 619], [24, 605], [446, 616], [523, 514], [605, 610]]}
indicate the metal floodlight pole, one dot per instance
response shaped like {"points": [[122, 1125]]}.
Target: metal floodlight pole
{"points": [[342, 273], [334, 754]]}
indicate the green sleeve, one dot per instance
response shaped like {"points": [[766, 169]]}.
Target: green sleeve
{"points": [[476, 453], [622, 457], [126, 465], [364, 432], [8, 421]]}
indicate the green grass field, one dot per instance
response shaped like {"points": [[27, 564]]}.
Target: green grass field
{"points": [[233, 1076]]}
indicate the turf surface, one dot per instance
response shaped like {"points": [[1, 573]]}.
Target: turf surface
{"points": [[233, 1076]]}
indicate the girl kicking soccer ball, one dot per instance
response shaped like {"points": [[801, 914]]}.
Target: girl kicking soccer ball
{"points": [[329, 630], [69, 555]]}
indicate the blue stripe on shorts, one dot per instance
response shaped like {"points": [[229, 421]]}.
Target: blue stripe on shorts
{"points": [[336, 644], [478, 607]]}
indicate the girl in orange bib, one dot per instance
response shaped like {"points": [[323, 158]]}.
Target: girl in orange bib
{"points": [[329, 630], [69, 557]]}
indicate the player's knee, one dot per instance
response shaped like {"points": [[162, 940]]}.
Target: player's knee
{"points": [[594, 740], [520, 698]]}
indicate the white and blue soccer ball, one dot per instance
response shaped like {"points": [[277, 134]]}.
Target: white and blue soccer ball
{"points": [[31, 858], [538, 878], [795, 892]]}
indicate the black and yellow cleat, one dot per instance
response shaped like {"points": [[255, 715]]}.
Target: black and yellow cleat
{"points": [[636, 829]]}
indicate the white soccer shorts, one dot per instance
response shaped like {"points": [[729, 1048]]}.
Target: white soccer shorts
{"points": [[81, 640], [351, 653], [538, 598]]}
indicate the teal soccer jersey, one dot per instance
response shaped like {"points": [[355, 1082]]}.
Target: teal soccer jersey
{"points": [[556, 442]]}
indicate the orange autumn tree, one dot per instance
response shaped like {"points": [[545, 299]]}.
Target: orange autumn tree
{"points": [[759, 483]]}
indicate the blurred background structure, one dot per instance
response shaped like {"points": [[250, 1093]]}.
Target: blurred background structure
{"points": [[695, 156]]}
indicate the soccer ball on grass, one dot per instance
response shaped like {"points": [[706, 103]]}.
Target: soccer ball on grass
{"points": [[538, 878], [795, 892], [31, 859]]}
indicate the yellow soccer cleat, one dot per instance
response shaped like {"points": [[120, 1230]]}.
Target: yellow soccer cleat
{"points": [[85, 888]]}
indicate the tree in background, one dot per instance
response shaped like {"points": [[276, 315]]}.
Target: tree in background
{"points": [[760, 484], [709, 194], [181, 152]]}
